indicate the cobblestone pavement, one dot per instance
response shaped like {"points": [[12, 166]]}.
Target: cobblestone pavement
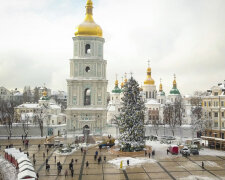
{"points": [[173, 167]]}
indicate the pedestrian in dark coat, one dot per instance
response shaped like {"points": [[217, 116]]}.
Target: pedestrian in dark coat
{"points": [[128, 162], [202, 164], [167, 151], [99, 160], [72, 172], [55, 158], [105, 158], [149, 154], [87, 164], [95, 157], [145, 153], [34, 161], [96, 153], [47, 151], [43, 155]]}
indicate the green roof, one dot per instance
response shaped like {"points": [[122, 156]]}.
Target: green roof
{"points": [[174, 91], [162, 93], [44, 98], [116, 90]]}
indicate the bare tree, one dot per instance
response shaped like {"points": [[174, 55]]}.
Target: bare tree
{"points": [[39, 118], [198, 122], [169, 116], [7, 115], [25, 123], [36, 94]]}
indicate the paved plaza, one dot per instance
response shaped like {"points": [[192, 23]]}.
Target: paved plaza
{"points": [[171, 167]]}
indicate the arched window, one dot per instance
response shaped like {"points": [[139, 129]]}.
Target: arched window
{"points": [[87, 49], [150, 95], [87, 97]]}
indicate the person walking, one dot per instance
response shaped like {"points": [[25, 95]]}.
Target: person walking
{"points": [[128, 162], [145, 153], [27, 154], [39, 147], [105, 158], [87, 164], [72, 172], [96, 153], [47, 151], [149, 154], [66, 173], [99, 160], [34, 161], [95, 157], [167, 151], [43, 155], [37, 176], [202, 165], [33, 156], [55, 159]]}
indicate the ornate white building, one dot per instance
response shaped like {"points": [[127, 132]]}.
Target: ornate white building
{"points": [[87, 84]]}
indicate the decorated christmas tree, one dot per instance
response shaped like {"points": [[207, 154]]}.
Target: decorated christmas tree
{"points": [[131, 118]]}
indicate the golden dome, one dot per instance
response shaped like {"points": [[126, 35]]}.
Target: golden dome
{"points": [[44, 93], [88, 27], [116, 83], [160, 87], [149, 79]]}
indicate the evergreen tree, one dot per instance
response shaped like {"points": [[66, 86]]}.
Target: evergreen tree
{"points": [[131, 118]]}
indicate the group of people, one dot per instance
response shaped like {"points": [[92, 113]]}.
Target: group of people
{"points": [[149, 153], [99, 157]]}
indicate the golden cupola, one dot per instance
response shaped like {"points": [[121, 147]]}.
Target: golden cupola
{"points": [[88, 27], [149, 80], [122, 84]]}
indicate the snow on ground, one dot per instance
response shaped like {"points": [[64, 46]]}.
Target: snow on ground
{"points": [[7, 170], [83, 145], [211, 152], [132, 161], [160, 149], [196, 178]]}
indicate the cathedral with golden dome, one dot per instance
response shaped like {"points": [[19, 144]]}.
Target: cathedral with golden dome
{"points": [[87, 83]]}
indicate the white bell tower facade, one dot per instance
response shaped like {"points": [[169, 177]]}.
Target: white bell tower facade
{"points": [[87, 84]]}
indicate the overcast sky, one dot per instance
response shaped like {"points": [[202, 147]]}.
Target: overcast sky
{"points": [[185, 37]]}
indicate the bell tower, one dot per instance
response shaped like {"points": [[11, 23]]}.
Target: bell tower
{"points": [[87, 84]]}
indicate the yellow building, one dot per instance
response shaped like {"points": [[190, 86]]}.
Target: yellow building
{"points": [[214, 109]]}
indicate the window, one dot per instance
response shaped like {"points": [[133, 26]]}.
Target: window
{"points": [[215, 114], [205, 103], [215, 124], [209, 103], [87, 49], [222, 103], [87, 69], [222, 114], [215, 93], [87, 97], [209, 114]]}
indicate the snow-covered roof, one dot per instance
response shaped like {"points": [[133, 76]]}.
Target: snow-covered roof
{"points": [[26, 167], [25, 174], [152, 101], [25, 163], [23, 159], [28, 105], [54, 106]]}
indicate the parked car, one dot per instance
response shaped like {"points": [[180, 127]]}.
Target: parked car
{"points": [[185, 151], [194, 150], [173, 149]]}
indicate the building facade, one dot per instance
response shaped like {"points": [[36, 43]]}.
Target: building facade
{"points": [[214, 109], [87, 84]]}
